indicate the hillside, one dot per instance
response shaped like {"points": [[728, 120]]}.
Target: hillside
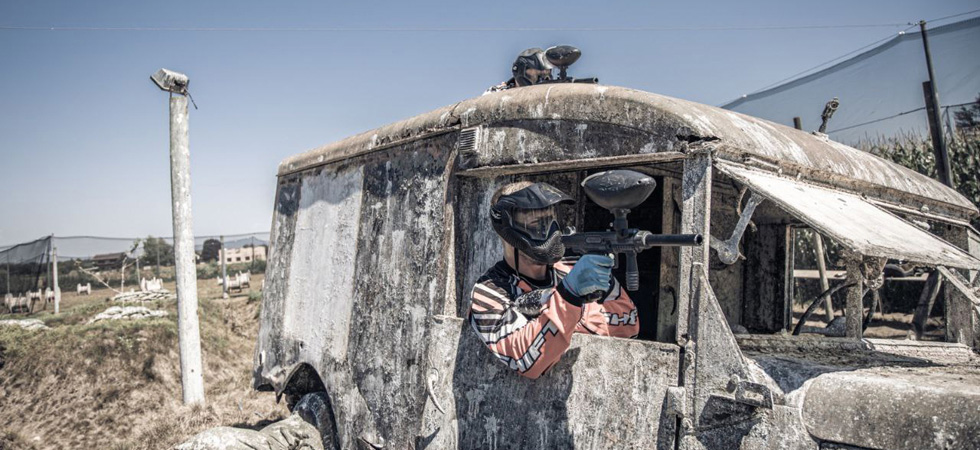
{"points": [[116, 384]]}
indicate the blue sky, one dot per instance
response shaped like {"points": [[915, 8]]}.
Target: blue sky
{"points": [[84, 133]]}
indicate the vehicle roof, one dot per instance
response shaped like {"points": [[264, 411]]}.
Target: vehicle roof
{"points": [[736, 137]]}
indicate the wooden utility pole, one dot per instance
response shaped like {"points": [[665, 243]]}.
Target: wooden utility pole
{"points": [[931, 93], [224, 272], [188, 328], [828, 304]]}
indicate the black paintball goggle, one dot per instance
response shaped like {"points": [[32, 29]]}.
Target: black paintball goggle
{"points": [[526, 219]]}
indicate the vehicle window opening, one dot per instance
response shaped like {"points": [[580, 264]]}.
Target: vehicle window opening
{"points": [[909, 303], [477, 246]]}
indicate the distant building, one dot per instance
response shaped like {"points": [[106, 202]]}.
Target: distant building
{"points": [[243, 255], [109, 261]]}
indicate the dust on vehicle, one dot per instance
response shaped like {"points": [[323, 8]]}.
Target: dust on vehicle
{"points": [[377, 239]]}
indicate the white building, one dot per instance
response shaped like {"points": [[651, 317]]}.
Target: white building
{"points": [[243, 255]]}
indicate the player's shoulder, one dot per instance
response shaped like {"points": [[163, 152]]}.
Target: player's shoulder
{"points": [[499, 278], [503, 86]]}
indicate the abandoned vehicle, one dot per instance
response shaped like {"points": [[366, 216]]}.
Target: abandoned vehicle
{"points": [[378, 238]]}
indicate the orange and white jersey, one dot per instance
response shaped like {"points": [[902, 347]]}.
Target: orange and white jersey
{"points": [[528, 325]]}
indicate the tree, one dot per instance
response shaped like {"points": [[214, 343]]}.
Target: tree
{"points": [[158, 251], [211, 250]]}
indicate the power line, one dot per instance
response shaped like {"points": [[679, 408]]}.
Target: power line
{"points": [[878, 120], [952, 16], [896, 115], [453, 29]]}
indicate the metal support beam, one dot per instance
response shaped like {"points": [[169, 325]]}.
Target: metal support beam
{"points": [[789, 282], [695, 219], [854, 308]]}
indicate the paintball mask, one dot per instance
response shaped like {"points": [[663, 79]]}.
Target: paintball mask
{"points": [[526, 220], [532, 58]]}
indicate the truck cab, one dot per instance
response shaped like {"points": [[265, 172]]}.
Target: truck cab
{"points": [[378, 238]]}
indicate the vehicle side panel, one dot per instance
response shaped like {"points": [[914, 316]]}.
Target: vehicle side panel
{"points": [[604, 393], [399, 283], [355, 272]]}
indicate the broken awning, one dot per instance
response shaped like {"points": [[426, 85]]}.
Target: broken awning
{"points": [[855, 223]]}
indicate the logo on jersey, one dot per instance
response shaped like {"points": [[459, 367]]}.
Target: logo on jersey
{"points": [[533, 353], [621, 319]]}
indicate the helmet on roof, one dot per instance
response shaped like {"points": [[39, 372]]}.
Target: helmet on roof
{"points": [[532, 58]]}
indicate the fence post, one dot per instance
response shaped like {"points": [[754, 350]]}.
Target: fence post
{"points": [[157, 252], [57, 289], [224, 272]]}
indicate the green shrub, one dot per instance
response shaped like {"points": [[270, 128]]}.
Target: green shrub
{"points": [[916, 153]]}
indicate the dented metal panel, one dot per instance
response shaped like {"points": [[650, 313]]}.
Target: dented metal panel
{"points": [[317, 308], [857, 224], [603, 393]]}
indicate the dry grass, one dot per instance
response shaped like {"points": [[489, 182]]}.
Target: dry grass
{"points": [[117, 384]]}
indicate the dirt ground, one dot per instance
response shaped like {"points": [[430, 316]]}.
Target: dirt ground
{"points": [[116, 384], [894, 325]]}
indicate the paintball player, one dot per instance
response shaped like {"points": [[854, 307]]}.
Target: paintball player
{"points": [[530, 67], [526, 307]]}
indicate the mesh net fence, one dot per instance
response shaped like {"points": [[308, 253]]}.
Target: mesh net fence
{"points": [[24, 266], [880, 90], [115, 260]]}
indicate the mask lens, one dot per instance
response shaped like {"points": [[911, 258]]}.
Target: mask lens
{"points": [[537, 224]]}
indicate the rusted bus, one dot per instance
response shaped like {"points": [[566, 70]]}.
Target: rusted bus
{"points": [[377, 239]]}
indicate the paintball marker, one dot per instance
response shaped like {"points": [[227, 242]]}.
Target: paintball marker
{"points": [[562, 56], [619, 191]]}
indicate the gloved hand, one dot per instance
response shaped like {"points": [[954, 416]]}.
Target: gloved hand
{"points": [[591, 274]]}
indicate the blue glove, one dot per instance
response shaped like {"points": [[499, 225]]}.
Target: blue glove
{"points": [[591, 274]]}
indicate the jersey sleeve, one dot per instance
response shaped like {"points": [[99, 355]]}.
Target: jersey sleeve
{"points": [[527, 345], [614, 316]]}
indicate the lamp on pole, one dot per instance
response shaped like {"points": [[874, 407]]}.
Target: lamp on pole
{"points": [[188, 328]]}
